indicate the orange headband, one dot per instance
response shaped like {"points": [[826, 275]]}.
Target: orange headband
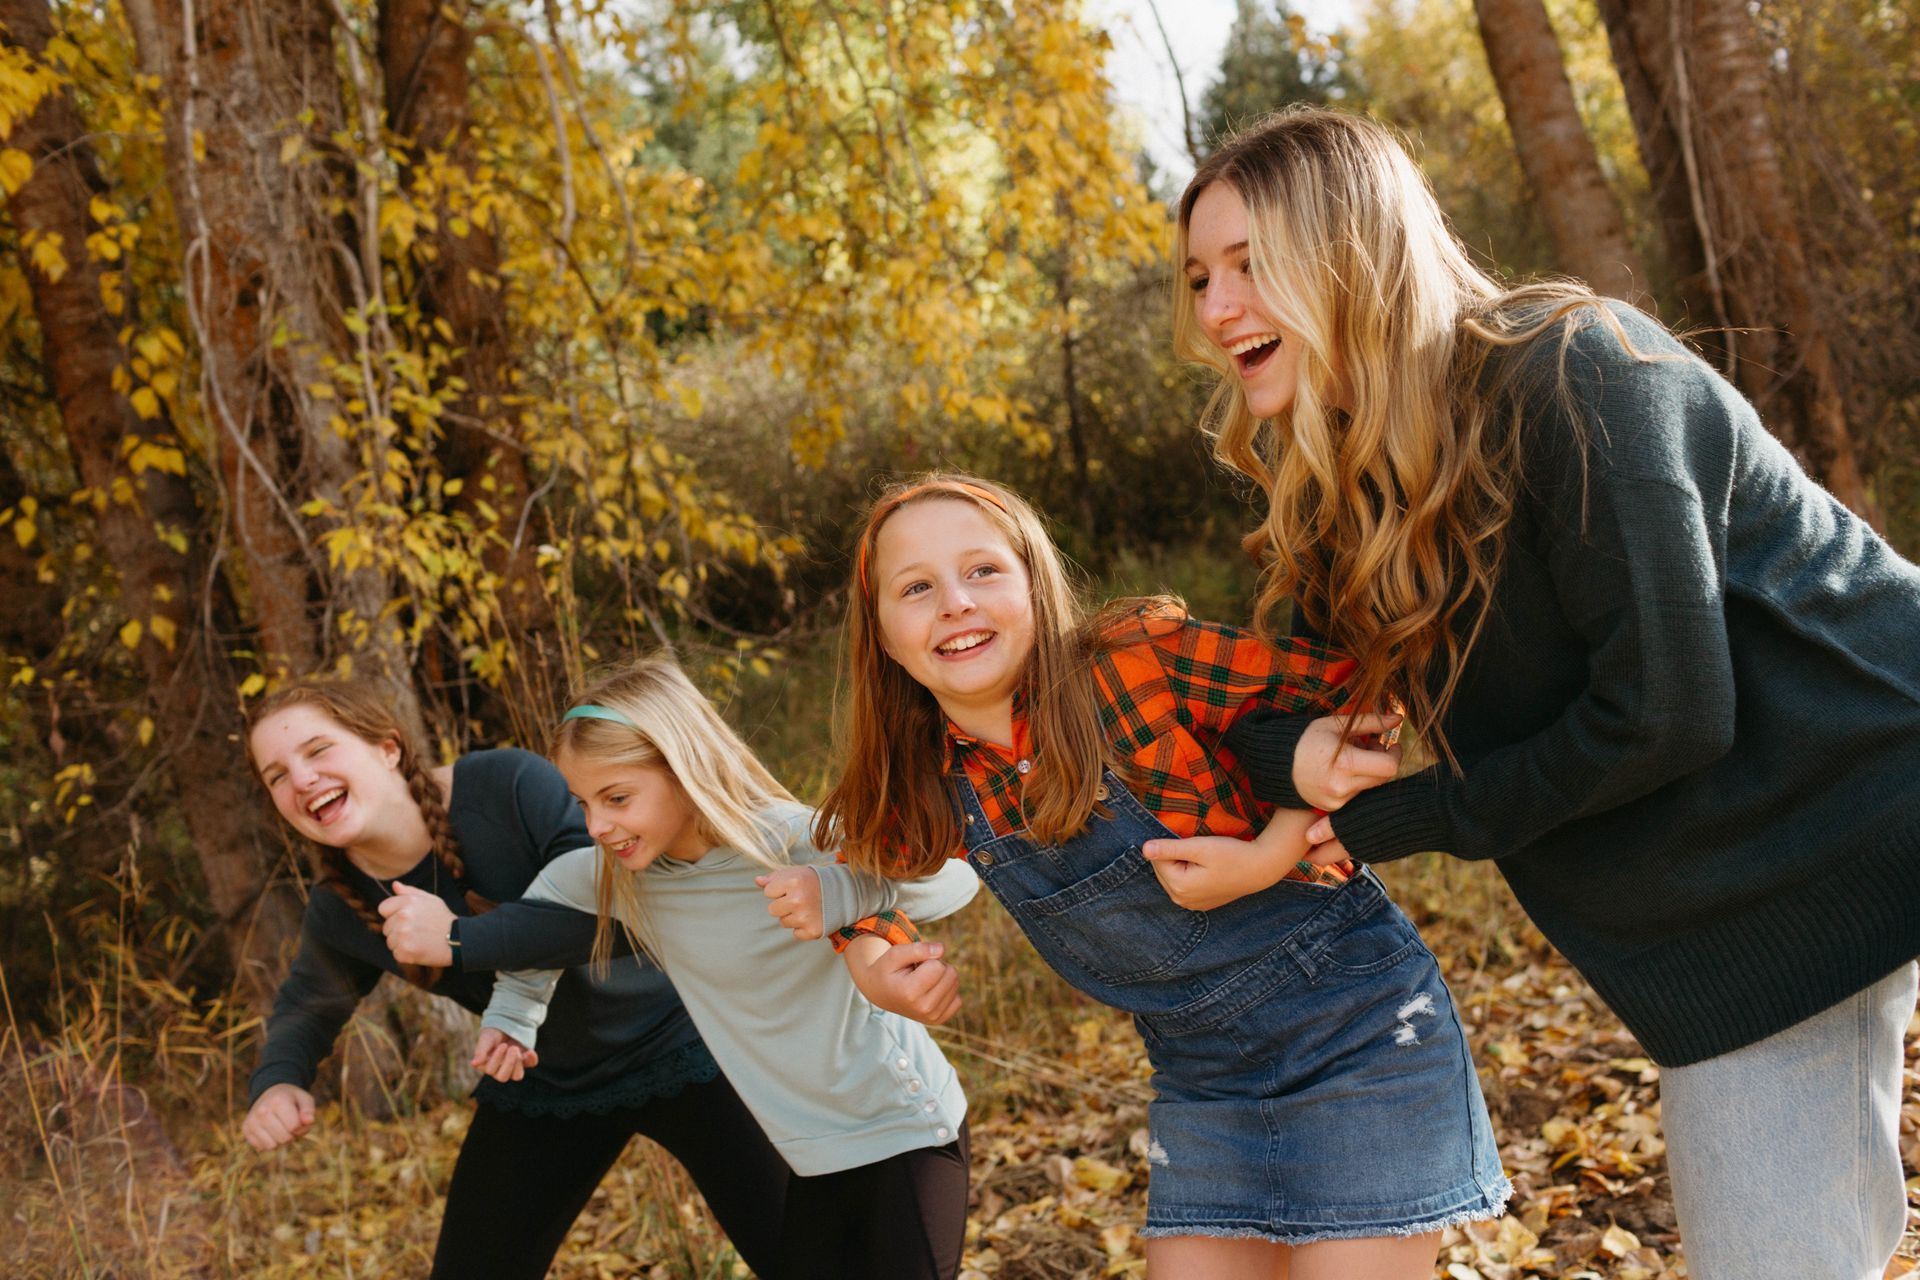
{"points": [[898, 500]]}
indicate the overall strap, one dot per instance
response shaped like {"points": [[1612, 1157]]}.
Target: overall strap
{"points": [[975, 829]]}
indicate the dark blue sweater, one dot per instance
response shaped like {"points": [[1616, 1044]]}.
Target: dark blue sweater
{"points": [[1690, 731]]}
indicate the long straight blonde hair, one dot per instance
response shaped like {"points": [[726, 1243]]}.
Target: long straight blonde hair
{"points": [[890, 812], [1385, 525], [670, 724]]}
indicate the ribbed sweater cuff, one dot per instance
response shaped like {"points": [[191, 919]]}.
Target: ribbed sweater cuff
{"points": [[1395, 819], [1264, 742], [269, 1074]]}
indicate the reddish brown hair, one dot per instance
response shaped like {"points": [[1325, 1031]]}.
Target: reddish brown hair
{"points": [[891, 812], [366, 711]]}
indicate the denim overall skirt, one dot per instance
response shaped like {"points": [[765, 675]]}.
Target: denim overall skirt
{"points": [[1312, 1079]]}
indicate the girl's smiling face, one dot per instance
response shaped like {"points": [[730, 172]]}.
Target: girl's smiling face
{"points": [[635, 812], [1219, 268], [955, 608], [331, 785]]}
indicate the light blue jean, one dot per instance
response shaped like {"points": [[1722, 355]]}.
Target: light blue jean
{"points": [[1785, 1154]]}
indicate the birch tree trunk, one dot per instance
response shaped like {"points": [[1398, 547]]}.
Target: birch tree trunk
{"points": [[1698, 91], [152, 530], [253, 98], [1589, 232], [425, 49]]}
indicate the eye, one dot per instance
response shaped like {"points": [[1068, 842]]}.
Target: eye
{"points": [[618, 798], [1198, 284], [319, 750], [983, 570], [913, 588]]}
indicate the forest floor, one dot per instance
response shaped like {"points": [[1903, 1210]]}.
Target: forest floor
{"points": [[1058, 1088]]}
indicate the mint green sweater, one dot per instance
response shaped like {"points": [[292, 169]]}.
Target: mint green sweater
{"points": [[835, 1082]]}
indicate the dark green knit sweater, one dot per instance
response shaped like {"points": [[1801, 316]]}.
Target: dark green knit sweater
{"points": [[1690, 731]]}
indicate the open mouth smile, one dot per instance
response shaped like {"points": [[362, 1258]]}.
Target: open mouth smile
{"points": [[323, 807], [966, 642], [1253, 351]]}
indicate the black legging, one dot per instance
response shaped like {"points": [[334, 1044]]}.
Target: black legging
{"points": [[521, 1180], [902, 1218]]}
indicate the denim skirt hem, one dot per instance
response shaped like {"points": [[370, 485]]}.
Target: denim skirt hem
{"points": [[1478, 1204]]}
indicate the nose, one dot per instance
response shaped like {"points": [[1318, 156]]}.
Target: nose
{"points": [[597, 824], [1219, 304], [954, 599]]}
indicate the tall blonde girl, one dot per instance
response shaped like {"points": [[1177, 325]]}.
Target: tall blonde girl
{"points": [[1672, 683]]}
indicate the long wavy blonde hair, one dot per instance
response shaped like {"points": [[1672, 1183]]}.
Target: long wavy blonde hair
{"points": [[669, 723], [1386, 521]]}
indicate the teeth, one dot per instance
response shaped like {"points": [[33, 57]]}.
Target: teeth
{"points": [[1247, 344], [315, 805], [960, 644]]}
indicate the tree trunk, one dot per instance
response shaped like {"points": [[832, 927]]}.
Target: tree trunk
{"points": [[1070, 392], [1644, 67], [1589, 232], [425, 46], [253, 101], [1717, 153], [164, 584]]}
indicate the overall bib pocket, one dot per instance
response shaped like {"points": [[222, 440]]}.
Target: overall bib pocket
{"points": [[1117, 923]]}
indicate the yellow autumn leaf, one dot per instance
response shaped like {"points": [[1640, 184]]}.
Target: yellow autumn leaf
{"points": [[145, 402], [130, 633], [1097, 1175], [43, 250], [1618, 1241], [163, 630], [16, 167], [145, 731], [252, 685]]}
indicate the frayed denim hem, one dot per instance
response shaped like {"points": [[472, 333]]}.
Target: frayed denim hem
{"points": [[1494, 1207]]}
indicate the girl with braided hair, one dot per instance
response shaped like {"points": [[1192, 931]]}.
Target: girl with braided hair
{"points": [[619, 1055]]}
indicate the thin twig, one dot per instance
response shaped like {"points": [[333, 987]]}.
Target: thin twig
{"points": [[1180, 83]]}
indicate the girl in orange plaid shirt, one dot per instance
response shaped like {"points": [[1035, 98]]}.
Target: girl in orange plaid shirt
{"points": [[1316, 1113]]}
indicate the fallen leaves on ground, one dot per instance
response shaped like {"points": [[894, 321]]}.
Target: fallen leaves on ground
{"points": [[1059, 1089]]}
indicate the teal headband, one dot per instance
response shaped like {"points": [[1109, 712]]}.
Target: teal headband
{"points": [[589, 711]]}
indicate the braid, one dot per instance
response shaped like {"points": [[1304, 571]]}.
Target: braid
{"points": [[433, 811], [333, 874]]}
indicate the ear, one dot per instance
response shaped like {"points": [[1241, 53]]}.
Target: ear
{"points": [[390, 753]]}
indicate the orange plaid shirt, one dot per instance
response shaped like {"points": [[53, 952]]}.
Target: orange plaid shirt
{"points": [[1166, 696]]}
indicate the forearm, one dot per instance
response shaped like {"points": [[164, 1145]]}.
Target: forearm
{"points": [[1263, 742], [519, 1003], [527, 935], [552, 926]]}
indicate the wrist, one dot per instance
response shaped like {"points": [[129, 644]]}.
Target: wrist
{"points": [[453, 944]]}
